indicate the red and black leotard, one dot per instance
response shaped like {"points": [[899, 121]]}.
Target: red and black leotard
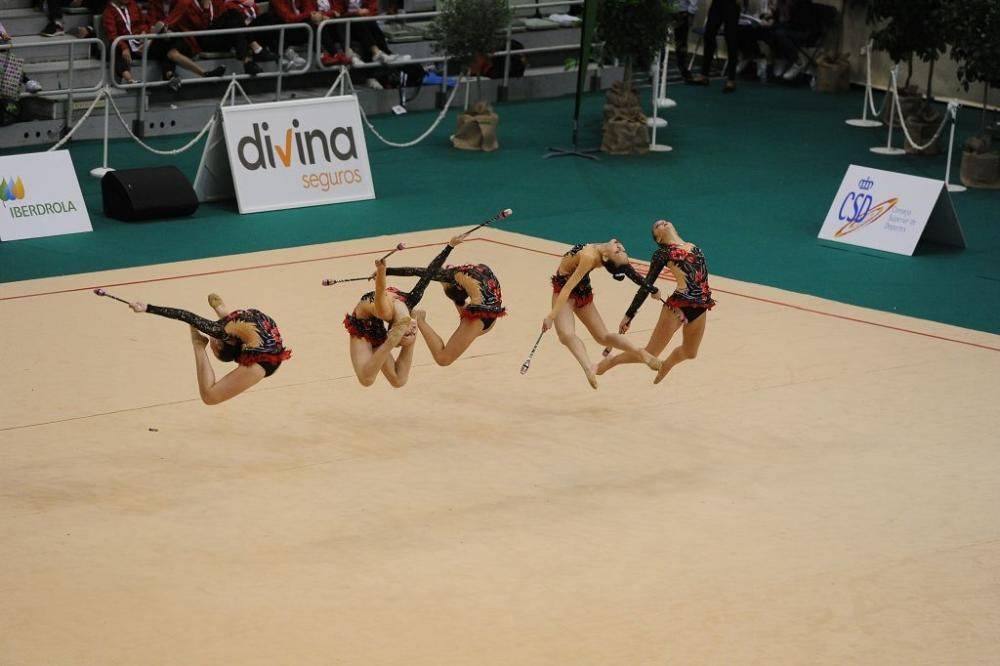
{"points": [[696, 297], [472, 287], [583, 292], [253, 333], [372, 328]]}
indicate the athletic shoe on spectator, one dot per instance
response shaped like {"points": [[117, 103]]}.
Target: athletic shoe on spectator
{"points": [[792, 72], [293, 60], [53, 29], [265, 55]]}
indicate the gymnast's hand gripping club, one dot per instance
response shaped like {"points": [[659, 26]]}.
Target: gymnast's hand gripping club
{"points": [[527, 363], [329, 282]]}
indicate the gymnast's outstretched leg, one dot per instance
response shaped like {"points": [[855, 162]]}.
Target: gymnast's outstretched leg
{"points": [[446, 354], [666, 325]]}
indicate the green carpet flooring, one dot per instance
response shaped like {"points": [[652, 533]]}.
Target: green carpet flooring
{"points": [[750, 180]]}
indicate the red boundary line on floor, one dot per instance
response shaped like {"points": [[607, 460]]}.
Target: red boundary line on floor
{"points": [[505, 244]]}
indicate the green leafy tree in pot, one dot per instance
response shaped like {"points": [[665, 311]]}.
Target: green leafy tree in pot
{"points": [[909, 29], [632, 31], [973, 29], [468, 32]]}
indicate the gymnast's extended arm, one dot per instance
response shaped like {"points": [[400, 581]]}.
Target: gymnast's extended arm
{"points": [[656, 265]]}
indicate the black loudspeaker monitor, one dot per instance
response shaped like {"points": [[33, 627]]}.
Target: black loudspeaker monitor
{"points": [[147, 194]]}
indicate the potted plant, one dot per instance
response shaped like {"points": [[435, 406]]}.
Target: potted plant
{"points": [[908, 29], [468, 31], [973, 29], [632, 31]]}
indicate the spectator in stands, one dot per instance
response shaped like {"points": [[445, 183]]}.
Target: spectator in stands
{"points": [[30, 85], [721, 13], [157, 12], [367, 34], [686, 9], [307, 12], [333, 36], [791, 27], [123, 17], [189, 15], [54, 10]]}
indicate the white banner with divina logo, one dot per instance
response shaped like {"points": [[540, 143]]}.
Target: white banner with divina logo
{"points": [[890, 211], [297, 153], [41, 196]]}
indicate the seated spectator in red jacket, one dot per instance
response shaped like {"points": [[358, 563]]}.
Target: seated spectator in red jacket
{"points": [[189, 15], [157, 15], [123, 17], [333, 35], [367, 34], [299, 11]]}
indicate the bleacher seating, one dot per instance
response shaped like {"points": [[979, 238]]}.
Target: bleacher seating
{"points": [[49, 60]]}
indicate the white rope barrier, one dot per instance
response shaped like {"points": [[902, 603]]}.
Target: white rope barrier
{"points": [[869, 99], [906, 132], [176, 151], [69, 134], [408, 144], [868, 84]]}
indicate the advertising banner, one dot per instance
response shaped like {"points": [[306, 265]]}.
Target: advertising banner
{"points": [[889, 211], [296, 153], [41, 196]]}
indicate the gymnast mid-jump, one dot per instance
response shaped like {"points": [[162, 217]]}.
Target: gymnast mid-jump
{"points": [[475, 291], [686, 308], [571, 285], [248, 337]]}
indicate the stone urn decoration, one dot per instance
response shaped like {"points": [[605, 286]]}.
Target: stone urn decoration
{"points": [[625, 129], [980, 163], [476, 129], [833, 73]]}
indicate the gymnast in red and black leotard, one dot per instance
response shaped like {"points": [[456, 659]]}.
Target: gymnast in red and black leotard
{"points": [[473, 288], [249, 337], [571, 282], [686, 307]]}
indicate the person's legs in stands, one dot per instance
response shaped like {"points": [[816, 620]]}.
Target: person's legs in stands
{"points": [[731, 21], [55, 15], [682, 24]]}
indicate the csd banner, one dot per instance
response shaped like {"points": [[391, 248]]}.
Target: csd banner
{"points": [[889, 211], [41, 196], [297, 153]]}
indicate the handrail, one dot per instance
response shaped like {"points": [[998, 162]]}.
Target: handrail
{"points": [[70, 91], [278, 27], [403, 18]]}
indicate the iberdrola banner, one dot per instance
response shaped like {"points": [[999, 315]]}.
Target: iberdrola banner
{"points": [[40, 196]]}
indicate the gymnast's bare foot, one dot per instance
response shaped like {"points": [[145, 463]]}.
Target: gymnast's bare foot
{"points": [[603, 366], [217, 304], [399, 328], [661, 374], [653, 363], [591, 376]]}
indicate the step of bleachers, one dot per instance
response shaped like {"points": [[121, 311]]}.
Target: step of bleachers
{"points": [[27, 21], [55, 75], [35, 48]]}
